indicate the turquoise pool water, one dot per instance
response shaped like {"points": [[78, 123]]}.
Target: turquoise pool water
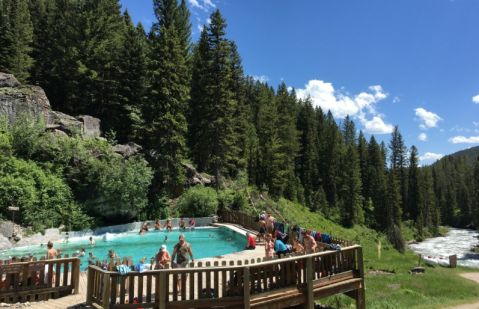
{"points": [[139, 246]]}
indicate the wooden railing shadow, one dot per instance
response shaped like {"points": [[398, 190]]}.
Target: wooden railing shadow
{"points": [[39, 279], [261, 283]]}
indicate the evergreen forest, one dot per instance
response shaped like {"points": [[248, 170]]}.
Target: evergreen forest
{"points": [[186, 101]]}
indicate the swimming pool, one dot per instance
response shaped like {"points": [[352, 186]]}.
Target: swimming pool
{"points": [[139, 246]]}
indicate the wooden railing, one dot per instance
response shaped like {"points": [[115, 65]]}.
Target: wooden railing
{"points": [[39, 280], [261, 283], [248, 221]]}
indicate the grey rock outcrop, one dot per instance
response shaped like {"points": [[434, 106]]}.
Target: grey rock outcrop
{"points": [[16, 99], [5, 244], [127, 150], [6, 229], [38, 238], [194, 178], [8, 81], [91, 126]]}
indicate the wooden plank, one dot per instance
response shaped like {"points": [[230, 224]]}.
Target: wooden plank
{"points": [[192, 281], [239, 275], [232, 280], [207, 303], [199, 283], [216, 280], [149, 287], [122, 289], [106, 291], [309, 268], [89, 287], [140, 288], [184, 279], [208, 280], [131, 288], [246, 291], [223, 280], [114, 284], [76, 276]]}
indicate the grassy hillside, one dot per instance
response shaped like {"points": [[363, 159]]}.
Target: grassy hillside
{"points": [[437, 288]]}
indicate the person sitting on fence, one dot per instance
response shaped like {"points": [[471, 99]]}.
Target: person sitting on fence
{"points": [[146, 226], [191, 224], [309, 242], [280, 248], [297, 245], [169, 225], [30, 257], [251, 242], [181, 251], [152, 263], [141, 232], [157, 224], [112, 254], [269, 246], [182, 224], [162, 256], [92, 241]]}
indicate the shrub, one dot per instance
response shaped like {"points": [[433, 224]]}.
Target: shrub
{"points": [[198, 201]]}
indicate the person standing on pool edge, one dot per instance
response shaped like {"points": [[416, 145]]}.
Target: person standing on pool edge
{"points": [[181, 251]]}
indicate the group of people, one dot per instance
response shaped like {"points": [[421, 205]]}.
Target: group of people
{"points": [[168, 225]]}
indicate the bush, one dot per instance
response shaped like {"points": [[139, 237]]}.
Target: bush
{"points": [[198, 201]]}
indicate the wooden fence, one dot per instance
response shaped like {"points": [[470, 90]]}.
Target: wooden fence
{"points": [[249, 221], [39, 279], [262, 283]]}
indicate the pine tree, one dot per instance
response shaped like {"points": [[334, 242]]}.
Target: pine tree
{"points": [[133, 81], [16, 37], [398, 159], [475, 207], [352, 199], [376, 186], [414, 201], [167, 125]]}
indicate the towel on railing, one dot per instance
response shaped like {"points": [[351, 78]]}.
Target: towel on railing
{"points": [[123, 269], [326, 238]]}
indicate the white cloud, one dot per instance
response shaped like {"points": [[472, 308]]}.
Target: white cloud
{"points": [[377, 126], [475, 123], [475, 99], [262, 78], [430, 119], [341, 104], [431, 156], [459, 129], [422, 137], [208, 21], [205, 6], [396, 99], [462, 139], [200, 27]]}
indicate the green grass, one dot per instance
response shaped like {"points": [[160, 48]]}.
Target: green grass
{"points": [[437, 288]]}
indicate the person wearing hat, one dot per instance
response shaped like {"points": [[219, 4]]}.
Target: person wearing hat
{"points": [[162, 256], [30, 257]]}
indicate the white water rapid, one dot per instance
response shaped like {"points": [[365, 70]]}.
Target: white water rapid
{"points": [[457, 241]]}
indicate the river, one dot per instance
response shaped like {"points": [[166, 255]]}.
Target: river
{"points": [[457, 241]]}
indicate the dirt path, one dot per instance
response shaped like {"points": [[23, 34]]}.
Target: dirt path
{"points": [[473, 277]]}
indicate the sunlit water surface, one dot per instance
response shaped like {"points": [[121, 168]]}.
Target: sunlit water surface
{"points": [[457, 241]]}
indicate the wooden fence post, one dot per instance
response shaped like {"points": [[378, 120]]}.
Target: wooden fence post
{"points": [[246, 291], [89, 286], [163, 290], [361, 300], [309, 281], [106, 291], [76, 276]]}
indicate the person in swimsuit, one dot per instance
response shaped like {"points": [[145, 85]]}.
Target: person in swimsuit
{"points": [[269, 246], [297, 245], [191, 224], [51, 254], [169, 225], [157, 225], [112, 254], [182, 224], [92, 241], [181, 251], [309, 242]]}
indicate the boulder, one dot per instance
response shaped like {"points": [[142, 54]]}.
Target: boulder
{"points": [[52, 234], [35, 239], [64, 122], [29, 100], [6, 229], [59, 133], [91, 126], [8, 81], [127, 150], [194, 178], [5, 244]]}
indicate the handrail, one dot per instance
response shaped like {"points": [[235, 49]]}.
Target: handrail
{"points": [[229, 284]]}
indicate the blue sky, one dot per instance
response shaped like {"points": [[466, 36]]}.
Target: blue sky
{"points": [[412, 63]]}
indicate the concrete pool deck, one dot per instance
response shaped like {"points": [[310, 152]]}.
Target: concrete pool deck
{"points": [[78, 300]]}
